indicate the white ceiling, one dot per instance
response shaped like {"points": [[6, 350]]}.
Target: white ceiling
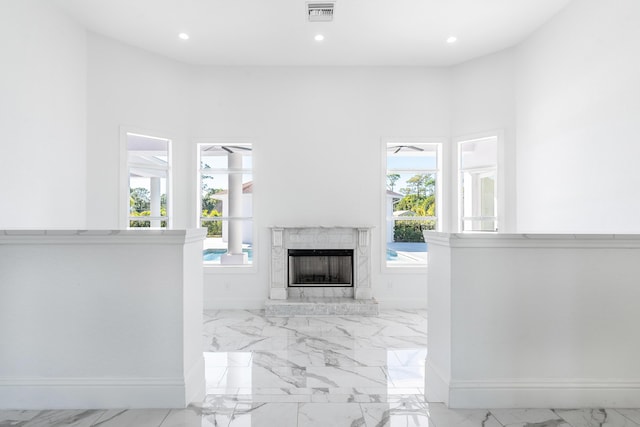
{"points": [[276, 32]]}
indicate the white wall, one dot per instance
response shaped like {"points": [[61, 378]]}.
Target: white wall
{"points": [[90, 325], [578, 128], [317, 145], [483, 103], [144, 92], [526, 321], [42, 117], [317, 153], [574, 88]]}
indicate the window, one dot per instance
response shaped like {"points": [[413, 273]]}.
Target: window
{"points": [[149, 174], [477, 184], [225, 202], [411, 202]]}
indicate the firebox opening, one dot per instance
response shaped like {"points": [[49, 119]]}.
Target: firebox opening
{"points": [[321, 267]]}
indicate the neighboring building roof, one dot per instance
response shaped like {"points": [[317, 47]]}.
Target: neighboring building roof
{"points": [[394, 194]]}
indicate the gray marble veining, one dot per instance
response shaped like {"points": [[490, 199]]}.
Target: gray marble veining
{"points": [[321, 292], [321, 306], [365, 371]]}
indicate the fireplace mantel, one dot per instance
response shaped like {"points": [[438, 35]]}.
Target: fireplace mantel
{"points": [[357, 238]]}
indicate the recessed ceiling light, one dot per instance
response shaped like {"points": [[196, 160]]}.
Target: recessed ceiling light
{"points": [[452, 39], [319, 37], [184, 36]]}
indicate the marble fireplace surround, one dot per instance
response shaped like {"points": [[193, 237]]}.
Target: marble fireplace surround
{"points": [[320, 237]]}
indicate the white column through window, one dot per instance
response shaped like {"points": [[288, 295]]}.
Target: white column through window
{"points": [[155, 201], [234, 254]]}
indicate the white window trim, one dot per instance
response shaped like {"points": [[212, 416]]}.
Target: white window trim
{"points": [[456, 197], [219, 268], [441, 177], [123, 206]]}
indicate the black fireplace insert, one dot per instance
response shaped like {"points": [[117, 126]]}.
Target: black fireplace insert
{"points": [[320, 267]]}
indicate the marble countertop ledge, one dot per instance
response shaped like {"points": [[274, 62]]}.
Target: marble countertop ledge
{"points": [[481, 239], [327, 227], [71, 236]]}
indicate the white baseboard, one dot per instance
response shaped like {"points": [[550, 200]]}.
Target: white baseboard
{"points": [[545, 393], [436, 387], [195, 384], [92, 393]]}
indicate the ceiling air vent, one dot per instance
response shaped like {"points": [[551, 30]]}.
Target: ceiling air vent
{"points": [[320, 12]]}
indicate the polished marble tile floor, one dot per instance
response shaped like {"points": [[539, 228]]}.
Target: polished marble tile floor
{"points": [[318, 371]]}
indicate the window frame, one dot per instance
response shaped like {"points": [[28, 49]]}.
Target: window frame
{"points": [[124, 217], [439, 172], [211, 268]]}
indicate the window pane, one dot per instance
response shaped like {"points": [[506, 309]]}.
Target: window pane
{"points": [[412, 194], [410, 231], [147, 197], [220, 237], [213, 159], [145, 150], [227, 193], [478, 177], [408, 246], [140, 224], [148, 167], [218, 156], [215, 194], [480, 153], [412, 156], [479, 201]]}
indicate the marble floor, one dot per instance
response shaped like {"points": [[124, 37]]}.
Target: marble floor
{"points": [[318, 371]]}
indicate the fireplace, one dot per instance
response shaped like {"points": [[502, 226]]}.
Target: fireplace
{"points": [[320, 261], [320, 267]]}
